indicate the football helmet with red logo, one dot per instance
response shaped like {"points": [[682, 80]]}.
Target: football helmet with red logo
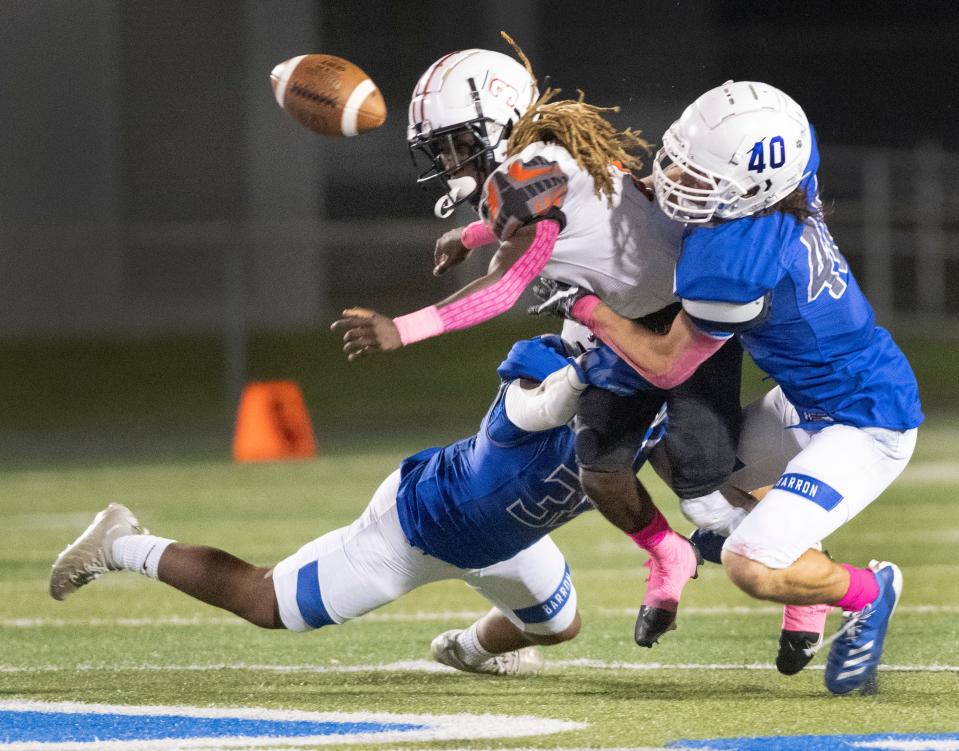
{"points": [[736, 150], [461, 113]]}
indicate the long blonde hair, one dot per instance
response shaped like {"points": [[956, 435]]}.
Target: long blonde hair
{"points": [[581, 129]]}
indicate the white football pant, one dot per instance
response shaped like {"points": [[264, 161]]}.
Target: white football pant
{"points": [[821, 479], [355, 569]]}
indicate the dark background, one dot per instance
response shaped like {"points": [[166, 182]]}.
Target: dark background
{"points": [[167, 233]]}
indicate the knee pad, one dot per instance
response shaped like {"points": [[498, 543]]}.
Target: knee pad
{"points": [[607, 482], [587, 444], [596, 451], [692, 480]]}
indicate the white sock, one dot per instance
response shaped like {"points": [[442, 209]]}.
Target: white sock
{"points": [[140, 553], [470, 650]]}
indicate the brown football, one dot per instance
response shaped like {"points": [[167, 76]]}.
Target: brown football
{"points": [[328, 95]]}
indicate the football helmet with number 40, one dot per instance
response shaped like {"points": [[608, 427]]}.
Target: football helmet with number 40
{"points": [[736, 150]]}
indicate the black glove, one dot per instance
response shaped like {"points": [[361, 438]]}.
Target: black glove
{"points": [[558, 298]]}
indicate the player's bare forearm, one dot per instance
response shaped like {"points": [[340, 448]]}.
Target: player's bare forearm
{"points": [[650, 353], [664, 360]]}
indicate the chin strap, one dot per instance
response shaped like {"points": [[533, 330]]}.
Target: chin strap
{"points": [[461, 188]]}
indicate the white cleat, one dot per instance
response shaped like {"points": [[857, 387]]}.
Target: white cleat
{"points": [[90, 555], [525, 661]]}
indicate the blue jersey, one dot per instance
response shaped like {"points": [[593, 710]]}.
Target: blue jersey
{"points": [[819, 340], [482, 500]]}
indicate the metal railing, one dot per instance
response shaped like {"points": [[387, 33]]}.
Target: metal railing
{"points": [[895, 215]]}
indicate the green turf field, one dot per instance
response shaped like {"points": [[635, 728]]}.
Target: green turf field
{"points": [[126, 640], [147, 423]]}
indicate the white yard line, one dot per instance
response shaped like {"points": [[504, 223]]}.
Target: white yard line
{"points": [[427, 666], [418, 616], [923, 473]]}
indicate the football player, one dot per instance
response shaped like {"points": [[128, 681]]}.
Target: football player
{"points": [[552, 182], [478, 510], [759, 264]]}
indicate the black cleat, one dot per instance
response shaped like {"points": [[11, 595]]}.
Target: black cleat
{"points": [[652, 623], [796, 649]]}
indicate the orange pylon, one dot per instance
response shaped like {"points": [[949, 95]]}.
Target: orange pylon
{"points": [[272, 422]]}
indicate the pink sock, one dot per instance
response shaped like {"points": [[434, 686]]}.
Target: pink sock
{"points": [[653, 533], [863, 589], [809, 618], [671, 563]]}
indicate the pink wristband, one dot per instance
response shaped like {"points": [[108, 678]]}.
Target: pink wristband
{"points": [[420, 325], [476, 235], [583, 309]]}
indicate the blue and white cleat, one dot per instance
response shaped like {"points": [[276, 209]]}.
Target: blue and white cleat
{"points": [[857, 646]]}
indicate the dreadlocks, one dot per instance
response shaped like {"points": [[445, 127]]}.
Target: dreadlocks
{"points": [[581, 129]]}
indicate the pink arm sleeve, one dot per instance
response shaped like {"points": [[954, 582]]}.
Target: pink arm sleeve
{"points": [[486, 303], [499, 297], [476, 235], [702, 347]]}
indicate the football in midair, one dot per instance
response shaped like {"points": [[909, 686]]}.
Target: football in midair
{"points": [[328, 95]]}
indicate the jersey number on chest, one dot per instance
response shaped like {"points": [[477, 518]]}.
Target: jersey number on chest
{"points": [[562, 500]]}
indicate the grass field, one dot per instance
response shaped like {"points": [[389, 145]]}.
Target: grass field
{"points": [[127, 640]]}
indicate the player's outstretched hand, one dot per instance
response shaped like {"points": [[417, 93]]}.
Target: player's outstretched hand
{"points": [[366, 332], [449, 251], [557, 298]]}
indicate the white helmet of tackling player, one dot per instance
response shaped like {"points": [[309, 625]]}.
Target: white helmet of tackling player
{"points": [[736, 150], [461, 114]]}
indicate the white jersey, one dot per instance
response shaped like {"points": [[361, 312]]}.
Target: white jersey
{"points": [[625, 252]]}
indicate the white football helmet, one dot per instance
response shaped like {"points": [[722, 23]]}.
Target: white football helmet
{"points": [[736, 150], [462, 111]]}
